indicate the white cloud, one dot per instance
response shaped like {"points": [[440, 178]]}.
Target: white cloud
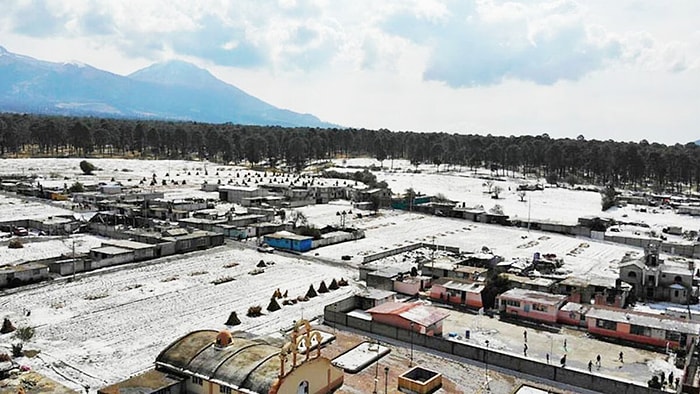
{"points": [[482, 65]]}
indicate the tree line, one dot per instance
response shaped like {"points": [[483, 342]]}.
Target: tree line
{"points": [[631, 164]]}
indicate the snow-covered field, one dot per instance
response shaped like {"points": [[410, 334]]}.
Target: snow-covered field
{"points": [[109, 325], [105, 327], [37, 248]]}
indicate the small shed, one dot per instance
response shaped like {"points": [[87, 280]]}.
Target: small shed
{"points": [[289, 241], [410, 316]]}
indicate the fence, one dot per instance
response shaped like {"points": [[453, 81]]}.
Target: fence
{"points": [[335, 314]]}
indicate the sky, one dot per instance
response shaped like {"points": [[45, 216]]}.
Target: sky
{"points": [[625, 70]]}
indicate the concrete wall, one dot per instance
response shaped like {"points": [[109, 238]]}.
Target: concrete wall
{"points": [[553, 372]]}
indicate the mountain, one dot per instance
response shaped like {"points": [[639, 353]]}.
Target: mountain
{"points": [[173, 90]]}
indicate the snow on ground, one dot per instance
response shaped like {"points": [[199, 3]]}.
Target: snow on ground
{"points": [[38, 248], [109, 325], [393, 228], [12, 207], [105, 327]]}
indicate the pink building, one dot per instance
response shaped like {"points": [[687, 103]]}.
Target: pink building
{"points": [[644, 328], [421, 318], [573, 314], [530, 304], [458, 291]]}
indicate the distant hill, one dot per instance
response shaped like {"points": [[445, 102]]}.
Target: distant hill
{"points": [[173, 90]]}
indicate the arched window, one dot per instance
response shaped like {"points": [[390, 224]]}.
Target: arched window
{"points": [[678, 279], [632, 274], [303, 387]]}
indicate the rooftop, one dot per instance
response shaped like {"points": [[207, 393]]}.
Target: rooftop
{"points": [[534, 296], [644, 319], [414, 312]]}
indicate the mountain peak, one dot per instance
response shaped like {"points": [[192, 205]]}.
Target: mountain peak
{"points": [[175, 72]]}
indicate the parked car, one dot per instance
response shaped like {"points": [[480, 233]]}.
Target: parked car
{"points": [[265, 249], [20, 231]]}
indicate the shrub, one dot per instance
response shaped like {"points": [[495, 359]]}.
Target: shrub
{"points": [[77, 187], [87, 167], [273, 305], [15, 244], [233, 319], [333, 285], [322, 287], [24, 334], [254, 311], [7, 326], [311, 293]]}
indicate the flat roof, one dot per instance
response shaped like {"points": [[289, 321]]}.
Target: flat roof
{"points": [[113, 250], [287, 235], [645, 320], [127, 244], [22, 267], [534, 296], [462, 285]]}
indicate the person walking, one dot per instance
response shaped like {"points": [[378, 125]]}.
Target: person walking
{"points": [[563, 361], [621, 358], [525, 350], [597, 361], [525, 336], [547, 356], [565, 345], [590, 366]]}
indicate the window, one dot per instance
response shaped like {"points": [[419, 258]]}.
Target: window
{"points": [[539, 307], [196, 380], [678, 279], [673, 336], [675, 293], [632, 274], [606, 324], [224, 390], [640, 330], [512, 303]]}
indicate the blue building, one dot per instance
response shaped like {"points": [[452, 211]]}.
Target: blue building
{"points": [[288, 241]]}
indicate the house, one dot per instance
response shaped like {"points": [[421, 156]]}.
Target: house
{"points": [[458, 291], [601, 291], [411, 285], [142, 251], [377, 197], [642, 328], [208, 361], [415, 316], [373, 297], [531, 283], [531, 305], [20, 274], [289, 241], [236, 194], [106, 256]]}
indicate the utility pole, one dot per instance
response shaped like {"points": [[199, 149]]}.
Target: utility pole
{"points": [[73, 256]]}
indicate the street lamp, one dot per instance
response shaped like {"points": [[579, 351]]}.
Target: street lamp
{"points": [[486, 363], [411, 363], [386, 379], [376, 371]]}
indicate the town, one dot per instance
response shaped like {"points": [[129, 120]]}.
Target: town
{"points": [[170, 276]]}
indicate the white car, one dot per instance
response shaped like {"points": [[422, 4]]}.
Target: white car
{"points": [[265, 249]]}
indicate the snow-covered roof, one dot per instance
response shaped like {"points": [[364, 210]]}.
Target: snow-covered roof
{"points": [[287, 235], [645, 320], [413, 312], [534, 296], [462, 285], [111, 250]]}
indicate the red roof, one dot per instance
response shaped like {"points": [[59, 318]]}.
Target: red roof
{"points": [[415, 312]]}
